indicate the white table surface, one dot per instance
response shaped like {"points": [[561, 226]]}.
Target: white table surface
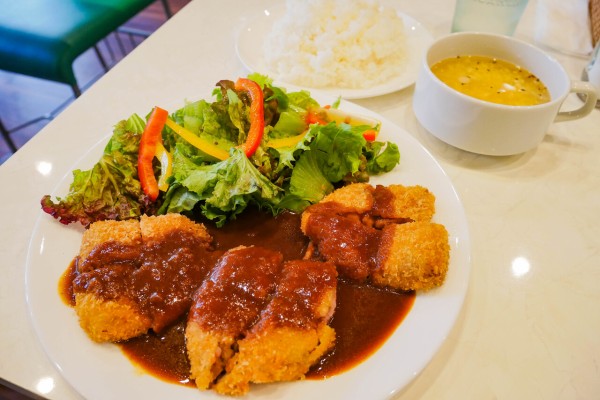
{"points": [[530, 326]]}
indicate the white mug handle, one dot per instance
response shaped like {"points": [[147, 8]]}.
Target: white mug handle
{"points": [[591, 96]]}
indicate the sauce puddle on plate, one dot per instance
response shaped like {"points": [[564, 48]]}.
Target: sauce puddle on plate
{"points": [[364, 318]]}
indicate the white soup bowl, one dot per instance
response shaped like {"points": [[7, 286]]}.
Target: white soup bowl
{"points": [[488, 128]]}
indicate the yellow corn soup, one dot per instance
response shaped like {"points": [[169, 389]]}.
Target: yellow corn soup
{"points": [[492, 80]]}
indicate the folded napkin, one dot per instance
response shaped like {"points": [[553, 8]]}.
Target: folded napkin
{"points": [[564, 25]]}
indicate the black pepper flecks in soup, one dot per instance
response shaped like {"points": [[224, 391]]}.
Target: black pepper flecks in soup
{"points": [[491, 79]]}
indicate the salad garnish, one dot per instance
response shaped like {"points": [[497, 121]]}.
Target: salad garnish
{"points": [[151, 137], [255, 143]]}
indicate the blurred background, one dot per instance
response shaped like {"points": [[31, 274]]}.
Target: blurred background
{"points": [[27, 104]]}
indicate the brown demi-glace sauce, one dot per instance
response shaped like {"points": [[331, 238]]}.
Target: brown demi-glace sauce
{"points": [[364, 318]]}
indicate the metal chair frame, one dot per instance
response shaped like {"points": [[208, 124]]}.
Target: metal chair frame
{"points": [[77, 90]]}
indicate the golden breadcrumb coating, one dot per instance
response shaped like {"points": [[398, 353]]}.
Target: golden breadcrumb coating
{"points": [[274, 355], [126, 234], [116, 316], [404, 202], [108, 320], [356, 198], [292, 333], [155, 228], [229, 301], [412, 256], [382, 234], [207, 352]]}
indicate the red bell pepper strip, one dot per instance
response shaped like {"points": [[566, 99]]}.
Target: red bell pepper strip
{"points": [[150, 137], [370, 135], [257, 114], [314, 118]]}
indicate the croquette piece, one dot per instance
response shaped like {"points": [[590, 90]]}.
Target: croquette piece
{"points": [[175, 248], [110, 320], [107, 242], [108, 249], [414, 203], [226, 305], [124, 296], [342, 239], [354, 198], [381, 234], [155, 228], [292, 333], [357, 197], [412, 256]]}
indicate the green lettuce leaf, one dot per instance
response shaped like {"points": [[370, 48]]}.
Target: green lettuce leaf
{"points": [[221, 190], [382, 157], [308, 183], [338, 150], [111, 189]]}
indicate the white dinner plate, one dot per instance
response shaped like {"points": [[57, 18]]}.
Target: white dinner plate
{"points": [[102, 371], [250, 52]]}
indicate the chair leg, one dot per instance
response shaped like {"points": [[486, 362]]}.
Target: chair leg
{"points": [[76, 90], [7, 138], [100, 58], [167, 8]]}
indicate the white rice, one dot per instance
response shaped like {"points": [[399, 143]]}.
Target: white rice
{"points": [[336, 43]]}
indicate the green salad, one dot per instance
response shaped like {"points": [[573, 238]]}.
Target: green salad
{"points": [[253, 144]]}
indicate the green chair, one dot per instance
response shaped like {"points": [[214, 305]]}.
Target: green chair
{"points": [[42, 38]]}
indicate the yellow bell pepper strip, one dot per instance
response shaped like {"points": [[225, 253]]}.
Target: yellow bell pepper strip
{"points": [[340, 117], [196, 141], [150, 137], [286, 142], [257, 114], [166, 166]]}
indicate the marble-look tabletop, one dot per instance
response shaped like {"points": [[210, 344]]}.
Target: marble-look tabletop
{"points": [[529, 327]]}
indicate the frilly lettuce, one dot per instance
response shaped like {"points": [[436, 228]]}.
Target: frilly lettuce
{"points": [[274, 178], [111, 189]]}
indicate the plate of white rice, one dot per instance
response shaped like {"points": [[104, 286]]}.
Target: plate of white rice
{"points": [[352, 49]]}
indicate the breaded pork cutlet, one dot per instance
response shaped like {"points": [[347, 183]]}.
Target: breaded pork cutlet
{"points": [[292, 333], [393, 202], [110, 250], [225, 307], [414, 203], [175, 249], [412, 256], [116, 295], [382, 234], [356, 199], [109, 242], [342, 238]]}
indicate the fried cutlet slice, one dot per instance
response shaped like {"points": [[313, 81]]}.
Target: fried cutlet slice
{"points": [[123, 297], [109, 250], [155, 228], [106, 320], [343, 239], [226, 305], [414, 203], [412, 256], [292, 333], [109, 242], [355, 198], [175, 248]]}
